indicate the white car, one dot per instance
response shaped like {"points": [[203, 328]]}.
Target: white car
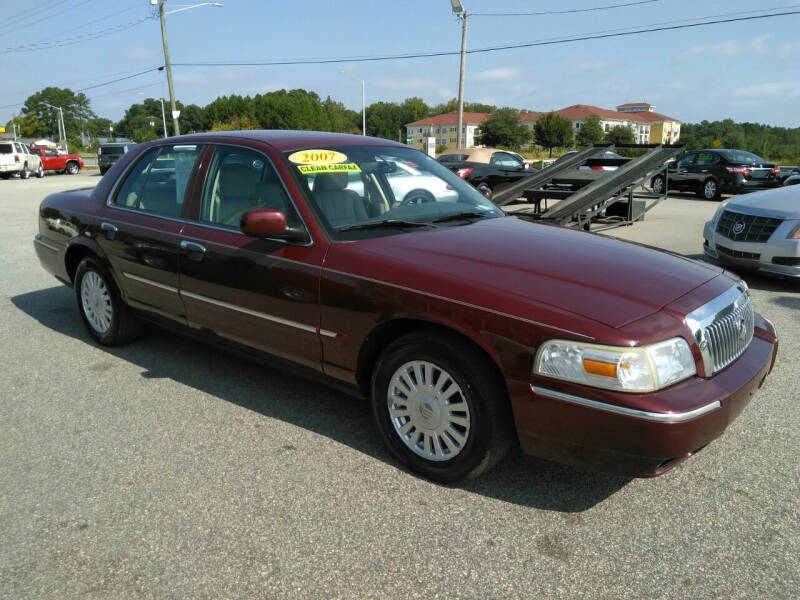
{"points": [[412, 185], [760, 231], [16, 158]]}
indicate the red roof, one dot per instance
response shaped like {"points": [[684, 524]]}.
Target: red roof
{"points": [[652, 117], [635, 105], [578, 112], [531, 116], [450, 118]]}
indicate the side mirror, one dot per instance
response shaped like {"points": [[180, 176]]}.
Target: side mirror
{"points": [[263, 222]]}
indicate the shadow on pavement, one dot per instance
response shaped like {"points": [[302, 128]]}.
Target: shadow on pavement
{"points": [[161, 354]]}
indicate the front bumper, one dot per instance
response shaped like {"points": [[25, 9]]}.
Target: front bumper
{"points": [[614, 433], [778, 256]]}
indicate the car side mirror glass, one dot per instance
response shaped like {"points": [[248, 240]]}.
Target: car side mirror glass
{"points": [[263, 222]]}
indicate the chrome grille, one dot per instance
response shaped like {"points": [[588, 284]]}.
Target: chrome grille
{"points": [[723, 328], [746, 228]]}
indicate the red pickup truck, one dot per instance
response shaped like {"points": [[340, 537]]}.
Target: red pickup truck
{"points": [[63, 163]]}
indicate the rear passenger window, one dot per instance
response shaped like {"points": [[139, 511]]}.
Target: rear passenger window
{"points": [[158, 181], [240, 180]]}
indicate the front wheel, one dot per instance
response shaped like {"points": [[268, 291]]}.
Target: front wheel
{"points": [[105, 316], [439, 408], [40, 172], [73, 168], [485, 189], [657, 184], [710, 190]]}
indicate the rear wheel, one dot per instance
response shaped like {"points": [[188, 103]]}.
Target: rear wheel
{"points": [[710, 189], [103, 312], [25, 173], [485, 189], [73, 168], [439, 407]]}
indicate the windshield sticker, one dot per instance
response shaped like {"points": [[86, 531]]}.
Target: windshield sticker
{"points": [[336, 168], [317, 157]]}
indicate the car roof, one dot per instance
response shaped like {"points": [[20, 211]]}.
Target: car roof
{"points": [[284, 140]]}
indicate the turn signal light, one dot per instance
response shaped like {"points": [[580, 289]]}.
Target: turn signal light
{"points": [[597, 367]]}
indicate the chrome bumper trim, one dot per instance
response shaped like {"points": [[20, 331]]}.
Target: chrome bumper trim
{"points": [[51, 247], [629, 412]]}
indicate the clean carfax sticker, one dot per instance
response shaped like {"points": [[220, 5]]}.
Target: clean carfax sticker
{"points": [[334, 168], [317, 157]]}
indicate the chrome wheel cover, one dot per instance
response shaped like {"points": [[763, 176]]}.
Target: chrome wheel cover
{"points": [[710, 189], [428, 410], [96, 302], [658, 185]]}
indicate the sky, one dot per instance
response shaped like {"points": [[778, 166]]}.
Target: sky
{"points": [[747, 71]]}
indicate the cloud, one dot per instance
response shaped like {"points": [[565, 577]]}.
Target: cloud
{"points": [[498, 74], [582, 64], [416, 85], [781, 90], [730, 48], [789, 50]]}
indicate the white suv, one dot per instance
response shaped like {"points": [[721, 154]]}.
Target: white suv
{"points": [[16, 157]]}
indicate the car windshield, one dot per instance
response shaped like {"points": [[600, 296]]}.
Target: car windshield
{"points": [[740, 157], [365, 191]]}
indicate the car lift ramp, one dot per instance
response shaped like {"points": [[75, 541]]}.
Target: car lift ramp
{"points": [[515, 190], [580, 207]]}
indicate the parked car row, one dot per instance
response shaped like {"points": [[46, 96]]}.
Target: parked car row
{"points": [[487, 169], [22, 160]]}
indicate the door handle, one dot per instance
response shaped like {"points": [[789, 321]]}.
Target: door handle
{"points": [[704, 171], [192, 246], [110, 229]]}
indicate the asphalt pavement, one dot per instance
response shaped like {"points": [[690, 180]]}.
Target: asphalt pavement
{"points": [[167, 469]]}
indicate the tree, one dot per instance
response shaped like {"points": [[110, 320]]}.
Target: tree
{"points": [[590, 132], [27, 126], [620, 135], [193, 119], [76, 109], [503, 128], [385, 119], [143, 121], [235, 123], [553, 131]]}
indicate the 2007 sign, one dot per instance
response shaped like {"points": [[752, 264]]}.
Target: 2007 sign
{"points": [[317, 157]]}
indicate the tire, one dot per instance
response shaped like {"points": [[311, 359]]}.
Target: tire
{"points": [[102, 310], [657, 184], [25, 173], [40, 172], [4, 176], [709, 190], [72, 168], [485, 189], [442, 444], [417, 197]]}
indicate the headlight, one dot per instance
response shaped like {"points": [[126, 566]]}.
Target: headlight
{"points": [[794, 234], [719, 210], [636, 369]]}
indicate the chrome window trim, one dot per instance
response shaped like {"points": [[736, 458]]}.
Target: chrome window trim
{"points": [[51, 247], [130, 166], [674, 417], [162, 286], [727, 302], [260, 315]]}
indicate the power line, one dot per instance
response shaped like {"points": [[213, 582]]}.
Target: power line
{"points": [[51, 15], [547, 42], [86, 37], [24, 16], [560, 12]]}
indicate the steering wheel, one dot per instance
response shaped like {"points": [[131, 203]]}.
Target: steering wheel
{"points": [[417, 197]]}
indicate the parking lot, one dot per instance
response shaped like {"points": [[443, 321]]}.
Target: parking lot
{"points": [[165, 469]]}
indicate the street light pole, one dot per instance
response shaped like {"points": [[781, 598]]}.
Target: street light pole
{"points": [[168, 66], [458, 9], [363, 109], [163, 118]]}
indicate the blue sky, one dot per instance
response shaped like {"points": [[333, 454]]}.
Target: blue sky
{"points": [[747, 71]]}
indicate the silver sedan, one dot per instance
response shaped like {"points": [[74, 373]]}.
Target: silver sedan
{"points": [[758, 231]]}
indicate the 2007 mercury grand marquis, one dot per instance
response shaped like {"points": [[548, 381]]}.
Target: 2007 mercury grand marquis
{"points": [[469, 330]]}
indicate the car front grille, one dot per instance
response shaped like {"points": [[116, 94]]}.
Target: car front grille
{"points": [[723, 328], [746, 228], [737, 253]]}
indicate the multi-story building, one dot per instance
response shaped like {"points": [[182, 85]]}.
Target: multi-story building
{"points": [[443, 128], [663, 129]]}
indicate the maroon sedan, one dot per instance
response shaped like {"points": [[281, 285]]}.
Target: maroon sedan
{"points": [[371, 265]]}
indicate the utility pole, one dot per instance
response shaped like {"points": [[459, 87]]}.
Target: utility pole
{"points": [[168, 66], [458, 9], [363, 109], [163, 118]]}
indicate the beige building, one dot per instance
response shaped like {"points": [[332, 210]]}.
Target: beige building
{"points": [[443, 128]]}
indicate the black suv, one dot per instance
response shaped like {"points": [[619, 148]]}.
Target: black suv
{"points": [[107, 154], [712, 172]]}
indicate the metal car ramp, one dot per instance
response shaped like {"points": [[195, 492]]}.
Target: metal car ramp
{"points": [[545, 176]]}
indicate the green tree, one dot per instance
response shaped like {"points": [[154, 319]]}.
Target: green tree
{"points": [[385, 119], [553, 131], [193, 119], [503, 128], [590, 132], [620, 135], [76, 109], [235, 123], [27, 126]]}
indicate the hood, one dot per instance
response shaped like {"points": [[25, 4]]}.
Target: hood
{"points": [[504, 262], [778, 203]]}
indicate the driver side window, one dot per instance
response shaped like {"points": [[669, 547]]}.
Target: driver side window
{"points": [[687, 160], [240, 180]]}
